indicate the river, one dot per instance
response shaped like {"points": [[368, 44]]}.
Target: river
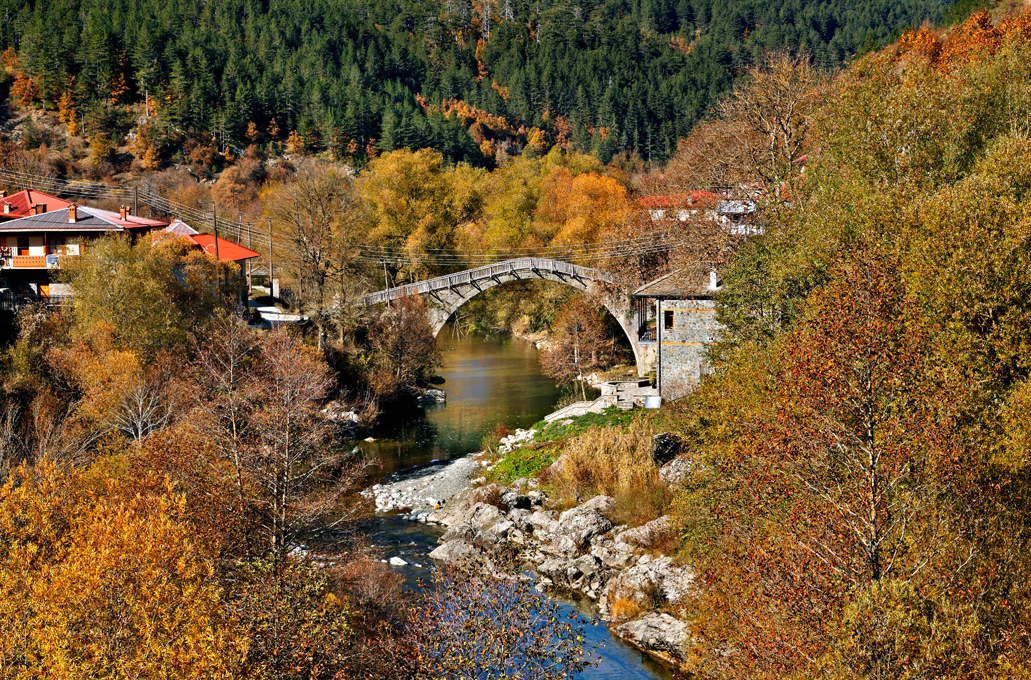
{"points": [[488, 380]]}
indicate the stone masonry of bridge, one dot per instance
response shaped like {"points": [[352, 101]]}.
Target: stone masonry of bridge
{"points": [[446, 294]]}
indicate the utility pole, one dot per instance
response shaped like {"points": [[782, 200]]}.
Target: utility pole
{"points": [[214, 219], [136, 201], [386, 283], [248, 261], [271, 259]]}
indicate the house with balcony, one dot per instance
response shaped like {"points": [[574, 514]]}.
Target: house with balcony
{"points": [[34, 245]]}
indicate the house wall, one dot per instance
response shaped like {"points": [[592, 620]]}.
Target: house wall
{"points": [[684, 346]]}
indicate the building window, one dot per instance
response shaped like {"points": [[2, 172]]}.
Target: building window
{"points": [[23, 245], [667, 320]]}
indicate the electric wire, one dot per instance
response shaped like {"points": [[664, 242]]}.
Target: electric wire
{"points": [[259, 238]]}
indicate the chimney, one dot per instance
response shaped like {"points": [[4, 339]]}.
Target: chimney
{"points": [[124, 212], [73, 214], [7, 208], [37, 208], [3, 193], [713, 280]]}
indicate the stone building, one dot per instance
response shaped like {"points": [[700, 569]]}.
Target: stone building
{"points": [[679, 319]]}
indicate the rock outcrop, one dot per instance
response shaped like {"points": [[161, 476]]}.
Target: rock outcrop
{"points": [[659, 634], [579, 550]]}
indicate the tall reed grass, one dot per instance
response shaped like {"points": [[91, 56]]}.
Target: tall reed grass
{"points": [[614, 462]]}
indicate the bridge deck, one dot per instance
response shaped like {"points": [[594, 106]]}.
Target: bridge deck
{"points": [[471, 276]]}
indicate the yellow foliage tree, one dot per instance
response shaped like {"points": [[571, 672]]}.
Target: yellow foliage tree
{"points": [[416, 204], [98, 582], [100, 148]]}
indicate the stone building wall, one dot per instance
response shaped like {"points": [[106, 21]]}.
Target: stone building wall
{"points": [[684, 345]]}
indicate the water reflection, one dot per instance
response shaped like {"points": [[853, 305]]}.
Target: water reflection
{"points": [[488, 380]]}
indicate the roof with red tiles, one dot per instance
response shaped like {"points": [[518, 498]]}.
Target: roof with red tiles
{"points": [[86, 219], [227, 250], [17, 205], [691, 199]]}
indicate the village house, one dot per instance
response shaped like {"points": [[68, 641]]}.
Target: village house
{"points": [[224, 250], [39, 231], [35, 244], [678, 318], [738, 217], [681, 207]]}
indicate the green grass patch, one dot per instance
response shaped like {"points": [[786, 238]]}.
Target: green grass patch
{"points": [[556, 431], [524, 462]]}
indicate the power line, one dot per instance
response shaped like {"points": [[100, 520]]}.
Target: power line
{"points": [[442, 257]]}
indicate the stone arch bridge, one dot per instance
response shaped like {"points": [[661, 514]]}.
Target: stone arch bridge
{"points": [[446, 294]]}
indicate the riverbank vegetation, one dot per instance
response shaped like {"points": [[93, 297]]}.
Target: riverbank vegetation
{"points": [[174, 502], [855, 498]]}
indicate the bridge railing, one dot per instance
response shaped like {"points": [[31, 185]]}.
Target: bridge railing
{"points": [[490, 271]]}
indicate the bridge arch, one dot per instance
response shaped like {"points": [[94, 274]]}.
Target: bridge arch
{"points": [[446, 294]]}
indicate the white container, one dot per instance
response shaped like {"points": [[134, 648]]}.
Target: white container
{"points": [[652, 402]]}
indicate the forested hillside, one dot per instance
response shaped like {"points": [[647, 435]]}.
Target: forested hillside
{"points": [[468, 77]]}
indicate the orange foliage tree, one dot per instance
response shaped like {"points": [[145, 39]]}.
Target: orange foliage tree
{"points": [[828, 475], [582, 209]]}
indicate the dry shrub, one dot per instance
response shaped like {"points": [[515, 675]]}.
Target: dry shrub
{"points": [[626, 609], [492, 440], [492, 496], [617, 463]]}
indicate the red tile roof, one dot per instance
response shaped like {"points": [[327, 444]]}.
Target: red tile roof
{"points": [[686, 200], [227, 250], [19, 203]]}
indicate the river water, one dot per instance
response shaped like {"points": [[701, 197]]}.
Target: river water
{"points": [[488, 380]]}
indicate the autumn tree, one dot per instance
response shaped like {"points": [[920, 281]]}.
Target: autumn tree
{"points": [[403, 348], [416, 206], [153, 297], [319, 214], [771, 113], [97, 577], [264, 395], [577, 343], [831, 472], [582, 210], [296, 627]]}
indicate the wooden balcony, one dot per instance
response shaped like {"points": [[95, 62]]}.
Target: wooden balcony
{"points": [[29, 262]]}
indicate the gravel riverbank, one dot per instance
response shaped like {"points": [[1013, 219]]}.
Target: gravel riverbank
{"points": [[419, 491]]}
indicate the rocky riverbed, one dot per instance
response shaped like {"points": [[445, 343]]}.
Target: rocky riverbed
{"points": [[417, 492], [578, 550]]}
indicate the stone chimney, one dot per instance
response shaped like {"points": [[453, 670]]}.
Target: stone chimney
{"points": [[37, 208], [7, 208], [124, 212], [714, 282], [73, 214]]}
